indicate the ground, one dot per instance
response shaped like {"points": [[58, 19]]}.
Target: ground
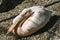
{"points": [[51, 31]]}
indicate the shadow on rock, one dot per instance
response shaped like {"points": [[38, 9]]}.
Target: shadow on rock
{"points": [[7, 18], [9, 4]]}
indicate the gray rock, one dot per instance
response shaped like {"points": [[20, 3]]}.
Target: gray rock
{"points": [[50, 32]]}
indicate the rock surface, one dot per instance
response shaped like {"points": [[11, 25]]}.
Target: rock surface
{"points": [[51, 31]]}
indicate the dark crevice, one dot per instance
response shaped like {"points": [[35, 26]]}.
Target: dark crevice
{"points": [[9, 4], [52, 3], [7, 18]]}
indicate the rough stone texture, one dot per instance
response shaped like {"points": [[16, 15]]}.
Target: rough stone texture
{"points": [[50, 32]]}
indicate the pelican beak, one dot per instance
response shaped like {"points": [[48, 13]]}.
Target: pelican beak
{"points": [[26, 16]]}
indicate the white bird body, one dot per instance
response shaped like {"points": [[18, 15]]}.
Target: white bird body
{"points": [[40, 16]]}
